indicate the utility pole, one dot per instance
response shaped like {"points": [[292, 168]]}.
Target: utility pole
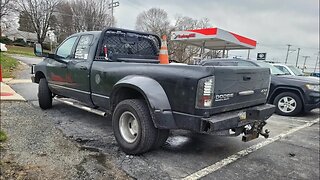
{"points": [[304, 64], [289, 45], [297, 57], [112, 5], [317, 62]]}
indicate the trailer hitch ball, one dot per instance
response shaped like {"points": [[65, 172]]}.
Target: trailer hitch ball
{"points": [[265, 134]]}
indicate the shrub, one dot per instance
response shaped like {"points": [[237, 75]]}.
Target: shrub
{"points": [[5, 40], [20, 42]]}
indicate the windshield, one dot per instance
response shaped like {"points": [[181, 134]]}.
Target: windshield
{"points": [[274, 70], [296, 70]]}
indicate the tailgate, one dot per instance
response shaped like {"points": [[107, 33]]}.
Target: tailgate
{"points": [[239, 87]]}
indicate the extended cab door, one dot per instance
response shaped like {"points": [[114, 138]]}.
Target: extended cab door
{"points": [[79, 69], [57, 72]]}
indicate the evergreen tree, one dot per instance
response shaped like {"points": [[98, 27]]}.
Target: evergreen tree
{"points": [[25, 24]]}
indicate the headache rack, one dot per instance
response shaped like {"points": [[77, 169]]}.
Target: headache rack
{"points": [[127, 45]]}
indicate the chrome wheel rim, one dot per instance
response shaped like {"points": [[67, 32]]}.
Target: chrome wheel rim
{"points": [[129, 126], [287, 104]]}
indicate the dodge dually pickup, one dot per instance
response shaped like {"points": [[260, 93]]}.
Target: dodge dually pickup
{"points": [[117, 72]]}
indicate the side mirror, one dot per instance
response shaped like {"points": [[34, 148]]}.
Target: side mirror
{"points": [[38, 51]]}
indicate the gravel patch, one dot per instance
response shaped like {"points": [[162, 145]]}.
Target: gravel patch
{"points": [[36, 149]]}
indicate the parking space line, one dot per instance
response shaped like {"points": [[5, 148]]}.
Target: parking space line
{"points": [[214, 167], [303, 121]]}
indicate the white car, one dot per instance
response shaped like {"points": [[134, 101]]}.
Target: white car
{"points": [[289, 69], [3, 47]]}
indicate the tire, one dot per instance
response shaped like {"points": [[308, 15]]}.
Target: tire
{"points": [[133, 127], [44, 94], [288, 104], [162, 136]]}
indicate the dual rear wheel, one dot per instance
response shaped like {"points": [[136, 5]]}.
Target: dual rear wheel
{"points": [[133, 127]]}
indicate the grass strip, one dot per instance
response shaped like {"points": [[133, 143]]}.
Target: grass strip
{"points": [[8, 64]]}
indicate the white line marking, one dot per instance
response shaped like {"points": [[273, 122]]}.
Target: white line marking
{"points": [[214, 167], [299, 120]]}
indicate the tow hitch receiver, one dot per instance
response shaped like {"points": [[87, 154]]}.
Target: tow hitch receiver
{"points": [[253, 132]]}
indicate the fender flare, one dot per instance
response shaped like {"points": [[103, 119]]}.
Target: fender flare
{"points": [[37, 76], [154, 95]]}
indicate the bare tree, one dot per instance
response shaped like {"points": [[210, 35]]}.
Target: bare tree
{"points": [[7, 7], [154, 20], [182, 52], [81, 15], [65, 21], [90, 15], [40, 13]]}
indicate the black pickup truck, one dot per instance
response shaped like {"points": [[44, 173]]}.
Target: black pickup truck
{"points": [[116, 71]]}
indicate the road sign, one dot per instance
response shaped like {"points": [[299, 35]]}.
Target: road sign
{"points": [[261, 56]]}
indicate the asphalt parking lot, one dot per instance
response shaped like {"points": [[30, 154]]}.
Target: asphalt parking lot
{"points": [[291, 152]]}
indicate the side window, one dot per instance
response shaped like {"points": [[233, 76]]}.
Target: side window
{"points": [[83, 47], [64, 51], [283, 69]]}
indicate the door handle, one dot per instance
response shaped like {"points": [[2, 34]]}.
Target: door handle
{"points": [[83, 68]]}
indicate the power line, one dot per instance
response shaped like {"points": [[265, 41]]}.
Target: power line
{"points": [[136, 4], [282, 46]]}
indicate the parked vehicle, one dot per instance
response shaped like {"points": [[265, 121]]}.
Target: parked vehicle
{"points": [[116, 71], [315, 74], [289, 69], [290, 94]]}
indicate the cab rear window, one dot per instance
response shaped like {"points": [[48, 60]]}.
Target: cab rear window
{"points": [[131, 45]]}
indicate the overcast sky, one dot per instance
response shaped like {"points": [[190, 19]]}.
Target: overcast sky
{"points": [[272, 23]]}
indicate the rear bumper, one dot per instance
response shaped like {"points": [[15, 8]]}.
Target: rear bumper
{"points": [[235, 119], [224, 121]]}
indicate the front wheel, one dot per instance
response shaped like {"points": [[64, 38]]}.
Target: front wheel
{"points": [[133, 127], [288, 104], [44, 94]]}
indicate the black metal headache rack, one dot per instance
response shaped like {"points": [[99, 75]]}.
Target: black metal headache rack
{"points": [[120, 45]]}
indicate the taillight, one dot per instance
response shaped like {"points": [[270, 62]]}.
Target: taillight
{"points": [[205, 92]]}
